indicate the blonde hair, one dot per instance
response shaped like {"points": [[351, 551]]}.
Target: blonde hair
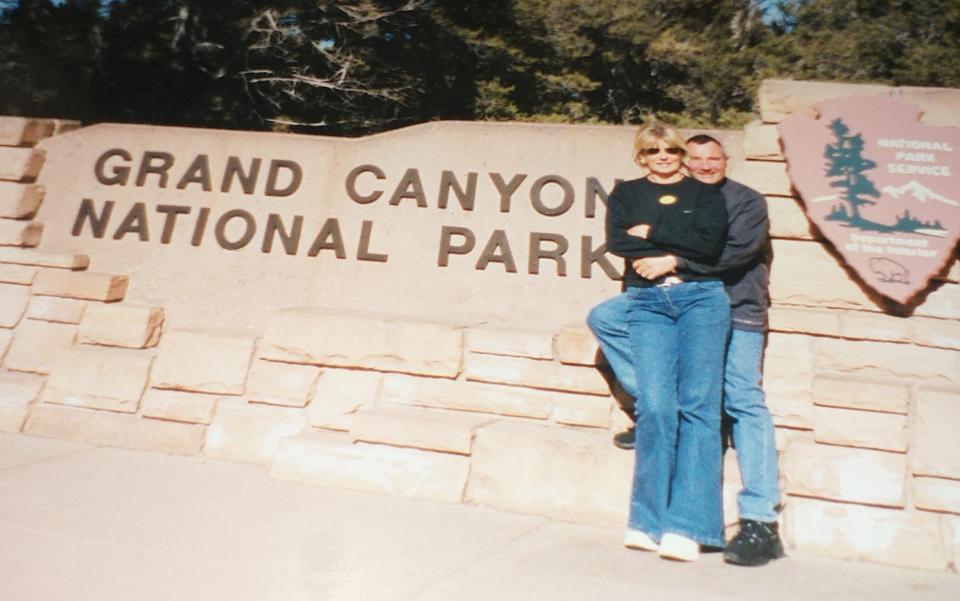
{"points": [[650, 134]]}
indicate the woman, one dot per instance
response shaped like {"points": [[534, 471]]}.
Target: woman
{"points": [[677, 330]]}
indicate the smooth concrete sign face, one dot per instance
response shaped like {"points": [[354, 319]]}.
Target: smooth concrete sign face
{"points": [[884, 189], [475, 222]]}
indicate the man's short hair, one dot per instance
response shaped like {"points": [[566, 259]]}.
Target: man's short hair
{"points": [[704, 139]]}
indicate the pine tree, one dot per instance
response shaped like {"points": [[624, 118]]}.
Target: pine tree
{"points": [[846, 163]]}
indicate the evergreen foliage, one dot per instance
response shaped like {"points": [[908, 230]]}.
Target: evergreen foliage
{"points": [[350, 67], [847, 167]]}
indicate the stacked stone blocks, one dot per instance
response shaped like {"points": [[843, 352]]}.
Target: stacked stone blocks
{"points": [[865, 402], [384, 403], [863, 398], [411, 407]]}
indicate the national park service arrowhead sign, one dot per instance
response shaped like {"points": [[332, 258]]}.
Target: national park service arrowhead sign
{"points": [[882, 187]]}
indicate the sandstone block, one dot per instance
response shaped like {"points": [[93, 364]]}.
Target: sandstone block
{"points": [[20, 164], [939, 105], [56, 309], [886, 359], [13, 304], [355, 339], [797, 264], [785, 436], [17, 392], [845, 474], [98, 379], [38, 344], [179, 406], [571, 475], [17, 274], [790, 412], [123, 325], [941, 333], [788, 368], [12, 416], [250, 433], [282, 383], [15, 385], [581, 409], [862, 533], [764, 176], [861, 392], [114, 429], [937, 494], [515, 342], [62, 126], [466, 396], [864, 429], [546, 375], [6, 337], [576, 345], [203, 361], [84, 285], [22, 131], [953, 274], [39, 258], [787, 219], [805, 320], [933, 435], [860, 325], [619, 421], [428, 429], [316, 458], [339, 394], [19, 201], [761, 141], [951, 532], [20, 233], [779, 98], [942, 302]]}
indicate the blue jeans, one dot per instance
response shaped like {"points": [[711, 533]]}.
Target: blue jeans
{"points": [[753, 432], [678, 335], [608, 322], [744, 402]]}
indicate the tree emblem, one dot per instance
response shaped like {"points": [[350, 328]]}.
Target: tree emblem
{"points": [[847, 165]]}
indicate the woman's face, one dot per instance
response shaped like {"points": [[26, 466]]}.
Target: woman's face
{"points": [[662, 160]]}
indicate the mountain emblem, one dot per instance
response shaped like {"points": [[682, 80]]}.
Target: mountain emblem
{"points": [[918, 191]]}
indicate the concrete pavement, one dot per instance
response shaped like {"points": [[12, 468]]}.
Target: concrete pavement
{"points": [[79, 523]]}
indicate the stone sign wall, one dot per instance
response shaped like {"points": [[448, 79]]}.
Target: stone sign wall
{"points": [[466, 220], [404, 314]]}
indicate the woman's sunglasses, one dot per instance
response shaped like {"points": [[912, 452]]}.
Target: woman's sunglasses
{"points": [[652, 151]]}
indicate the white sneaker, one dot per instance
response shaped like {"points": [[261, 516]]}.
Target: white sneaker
{"points": [[635, 539], [680, 548]]}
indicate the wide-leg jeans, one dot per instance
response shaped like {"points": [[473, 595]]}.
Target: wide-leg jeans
{"points": [[678, 338], [743, 400], [608, 322]]}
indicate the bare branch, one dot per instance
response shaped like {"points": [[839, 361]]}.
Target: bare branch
{"points": [[297, 123], [330, 65]]}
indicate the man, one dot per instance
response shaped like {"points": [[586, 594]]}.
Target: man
{"points": [[744, 266]]}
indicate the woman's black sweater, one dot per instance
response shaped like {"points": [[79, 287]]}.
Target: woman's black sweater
{"points": [[687, 219]]}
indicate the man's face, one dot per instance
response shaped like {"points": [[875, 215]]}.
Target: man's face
{"points": [[707, 162]]}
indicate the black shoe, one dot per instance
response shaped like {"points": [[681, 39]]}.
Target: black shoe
{"points": [[757, 544], [626, 440]]}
